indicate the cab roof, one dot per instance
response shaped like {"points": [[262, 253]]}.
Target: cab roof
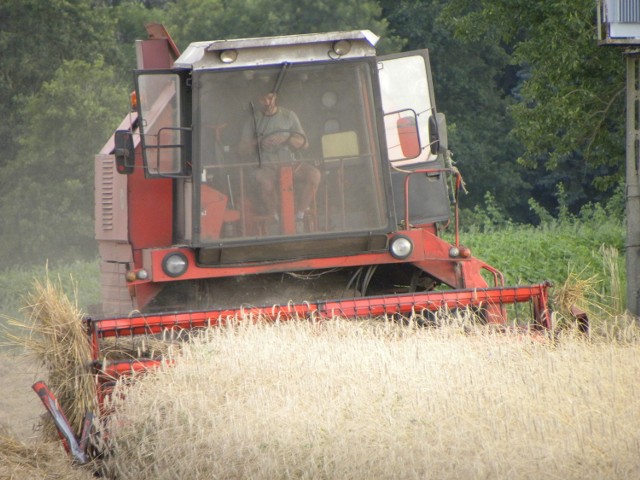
{"points": [[276, 50]]}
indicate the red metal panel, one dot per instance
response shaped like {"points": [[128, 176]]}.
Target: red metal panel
{"points": [[431, 254], [226, 271], [351, 308], [150, 209], [287, 210], [158, 31], [114, 370], [154, 54], [65, 431], [143, 294]]}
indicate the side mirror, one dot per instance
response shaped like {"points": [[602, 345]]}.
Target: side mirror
{"points": [[442, 131], [434, 137], [408, 135], [124, 152]]}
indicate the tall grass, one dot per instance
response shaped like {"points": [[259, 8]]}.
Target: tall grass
{"points": [[79, 280], [55, 337], [364, 400]]}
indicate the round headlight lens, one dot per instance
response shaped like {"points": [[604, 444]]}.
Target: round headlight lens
{"points": [[175, 264], [228, 56], [454, 252], [342, 47], [401, 247], [142, 274]]}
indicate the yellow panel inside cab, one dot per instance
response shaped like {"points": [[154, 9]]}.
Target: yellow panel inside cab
{"points": [[341, 144]]}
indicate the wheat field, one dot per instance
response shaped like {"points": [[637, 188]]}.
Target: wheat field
{"points": [[363, 400]]}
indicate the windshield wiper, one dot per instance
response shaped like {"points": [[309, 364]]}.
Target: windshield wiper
{"points": [[257, 135], [283, 71]]}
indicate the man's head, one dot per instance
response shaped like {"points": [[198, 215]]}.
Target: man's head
{"points": [[268, 103]]}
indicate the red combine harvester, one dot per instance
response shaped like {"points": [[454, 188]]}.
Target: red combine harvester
{"points": [[293, 176]]}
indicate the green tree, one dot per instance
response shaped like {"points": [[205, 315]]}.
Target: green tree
{"points": [[569, 115], [192, 20], [46, 199], [130, 17], [36, 37]]}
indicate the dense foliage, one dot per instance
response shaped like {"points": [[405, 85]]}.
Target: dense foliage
{"points": [[569, 109], [533, 105], [556, 248]]}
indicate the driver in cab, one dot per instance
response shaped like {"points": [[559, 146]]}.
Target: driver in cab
{"points": [[275, 135]]}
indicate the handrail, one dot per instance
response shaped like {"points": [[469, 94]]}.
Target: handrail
{"points": [[427, 171]]}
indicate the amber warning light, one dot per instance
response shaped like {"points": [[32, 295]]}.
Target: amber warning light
{"points": [[133, 100]]}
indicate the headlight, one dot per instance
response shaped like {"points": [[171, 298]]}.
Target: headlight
{"points": [[142, 274], [342, 47], [400, 247], [133, 275], [228, 56], [175, 264]]}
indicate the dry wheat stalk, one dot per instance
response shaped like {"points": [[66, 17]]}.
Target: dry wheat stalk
{"points": [[42, 460], [52, 331], [360, 400]]}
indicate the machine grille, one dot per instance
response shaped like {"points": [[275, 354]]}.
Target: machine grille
{"points": [[106, 193]]}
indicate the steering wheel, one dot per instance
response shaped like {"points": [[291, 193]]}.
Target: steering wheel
{"points": [[273, 141]]}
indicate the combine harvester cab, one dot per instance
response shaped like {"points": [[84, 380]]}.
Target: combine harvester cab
{"points": [[355, 161]]}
